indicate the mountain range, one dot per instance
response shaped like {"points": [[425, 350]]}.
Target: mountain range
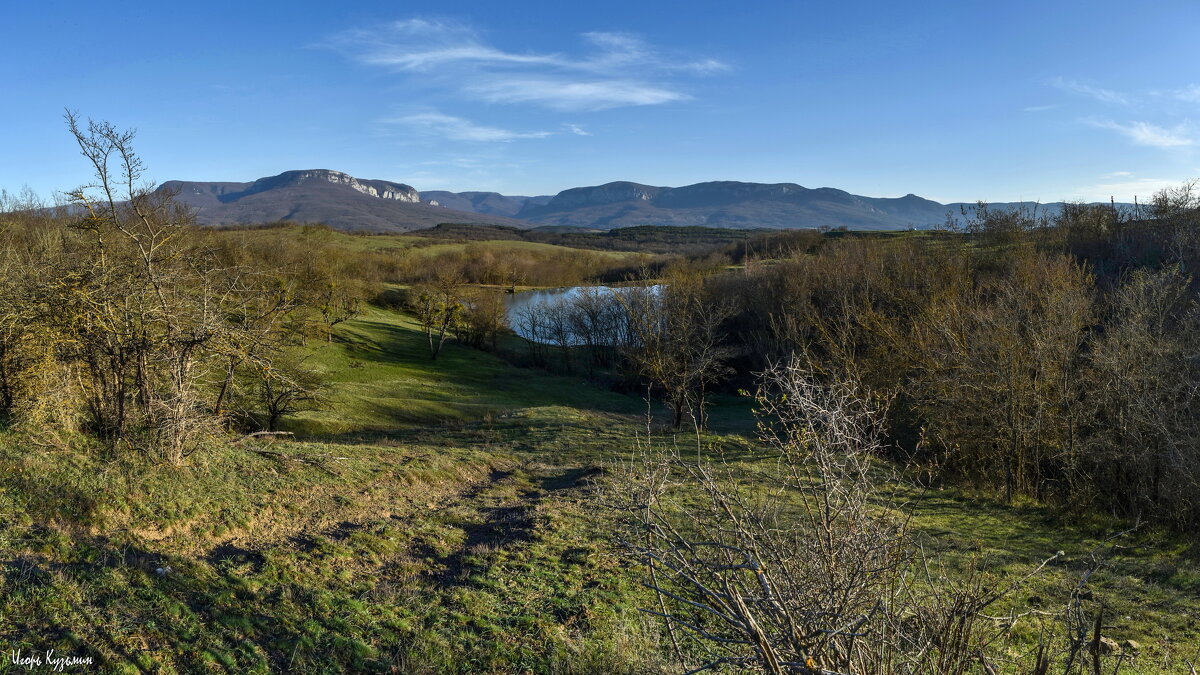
{"points": [[348, 203], [334, 198]]}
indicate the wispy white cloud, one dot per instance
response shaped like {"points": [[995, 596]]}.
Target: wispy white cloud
{"points": [[1040, 108], [459, 129], [1098, 93], [1151, 135], [1188, 94], [1124, 190], [620, 50], [577, 130], [1164, 123], [568, 95], [422, 44], [1147, 97], [613, 70]]}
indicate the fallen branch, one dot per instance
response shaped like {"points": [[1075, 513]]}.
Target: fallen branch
{"points": [[318, 461], [257, 434]]}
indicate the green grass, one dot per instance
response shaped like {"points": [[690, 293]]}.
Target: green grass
{"points": [[382, 557], [425, 526], [437, 516], [382, 378], [1145, 580]]}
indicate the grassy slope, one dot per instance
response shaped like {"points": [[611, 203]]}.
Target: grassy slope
{"points": [[447, 548], [437, 519], [384, 379]]}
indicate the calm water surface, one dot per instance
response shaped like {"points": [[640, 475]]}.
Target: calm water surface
{"points": [[518, 302]]}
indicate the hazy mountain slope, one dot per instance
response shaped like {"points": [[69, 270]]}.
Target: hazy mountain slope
{"points": [[744, 205], [492, 203], [728, 204]]}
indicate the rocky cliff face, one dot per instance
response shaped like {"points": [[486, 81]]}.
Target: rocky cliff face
{"points": [[373, 188]]}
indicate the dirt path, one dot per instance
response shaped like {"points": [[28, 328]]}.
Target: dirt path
{"points": [[500, 511]]}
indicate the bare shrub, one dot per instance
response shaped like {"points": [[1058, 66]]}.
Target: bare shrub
{"points": [[283, 386], [483, 318], [120, 319], [805, 566]]}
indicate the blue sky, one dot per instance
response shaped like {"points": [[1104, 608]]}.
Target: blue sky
{"points": [[955, 101]]}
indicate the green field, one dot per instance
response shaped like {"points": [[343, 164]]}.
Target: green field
{"points": [[440, 516]]}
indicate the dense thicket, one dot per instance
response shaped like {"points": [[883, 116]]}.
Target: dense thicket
{"points": [[1057, 359], [120, 319]]}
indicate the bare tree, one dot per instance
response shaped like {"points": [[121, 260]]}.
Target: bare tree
{"points": [[143, 311], [529, 323], [338, 302], [596, 316], [153, 304], [678, 343], [439, 308]]}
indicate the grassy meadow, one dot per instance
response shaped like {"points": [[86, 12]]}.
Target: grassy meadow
{"points": [[441, 516]]}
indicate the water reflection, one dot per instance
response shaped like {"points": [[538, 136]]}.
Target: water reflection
{"points": [[577, 315]]}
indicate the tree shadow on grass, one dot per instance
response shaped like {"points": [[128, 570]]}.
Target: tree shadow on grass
{"points": [[462, 377], [122, 604]]}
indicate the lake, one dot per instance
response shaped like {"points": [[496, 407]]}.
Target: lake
{"points": [[517, 304]]}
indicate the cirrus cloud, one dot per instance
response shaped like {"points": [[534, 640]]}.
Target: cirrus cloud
{"points": [[459, 129], [1124, 186], [558, 94], [1163, 124], [613, 70], [1098, 93], [1150, 135]]}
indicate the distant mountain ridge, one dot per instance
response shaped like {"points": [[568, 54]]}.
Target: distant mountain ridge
{"points": [[348, 203], [743, 205], [492, 203]]}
